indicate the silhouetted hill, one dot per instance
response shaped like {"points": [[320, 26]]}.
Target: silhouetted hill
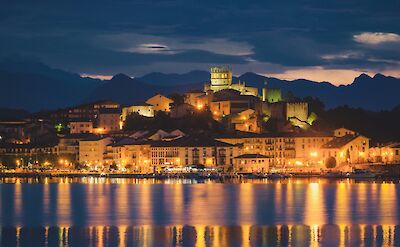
{"points": [[34, 86], [126, 90], [192, 77], [123, 89], [8, 114], [377, 93]]}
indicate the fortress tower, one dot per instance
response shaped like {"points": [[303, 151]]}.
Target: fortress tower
{"points": [[221, 78]]}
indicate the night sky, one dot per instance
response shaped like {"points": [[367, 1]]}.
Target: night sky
{"points": [[315, 39]]}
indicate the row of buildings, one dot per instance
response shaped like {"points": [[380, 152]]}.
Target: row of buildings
{"points": [[154, 151]]}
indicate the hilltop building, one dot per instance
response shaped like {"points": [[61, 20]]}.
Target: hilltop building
{"points": [[142, 109], [160, 103], [221, 78]]}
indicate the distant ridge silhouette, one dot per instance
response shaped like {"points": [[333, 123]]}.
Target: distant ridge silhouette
{"points": [[34, 86]]}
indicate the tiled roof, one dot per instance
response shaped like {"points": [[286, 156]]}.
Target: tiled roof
{"points": [[189, 141], [251, 156], [339, 142], [240, 134]]}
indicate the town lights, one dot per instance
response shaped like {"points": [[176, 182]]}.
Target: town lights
{"points": [[299, 163], [314, 154], [200, 106]]}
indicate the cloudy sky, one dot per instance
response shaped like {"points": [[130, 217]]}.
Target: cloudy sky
{"points": [[314, 39]]}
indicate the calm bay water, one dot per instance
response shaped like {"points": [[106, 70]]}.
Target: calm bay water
{"points": [[120, 212]]}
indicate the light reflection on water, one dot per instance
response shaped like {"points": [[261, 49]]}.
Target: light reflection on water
{"points": [[202, 235], [119, 212]]}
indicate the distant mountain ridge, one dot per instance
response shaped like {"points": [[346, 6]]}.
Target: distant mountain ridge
{"points": [[34, 86]]}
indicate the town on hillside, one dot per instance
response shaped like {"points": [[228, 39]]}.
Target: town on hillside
{"points": [[227, 128]]}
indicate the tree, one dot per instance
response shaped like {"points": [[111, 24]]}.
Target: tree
{"points": [[177, 98], [330, 162], [315, 104], [113, 167]]}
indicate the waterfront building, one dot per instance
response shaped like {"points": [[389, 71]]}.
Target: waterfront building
{"points": [[348, 149], [286, 149], [387, 154], [252, 163], [132, 155], [68, 146], [160, 103], [28, 154], [192, 150], [142, 109], [92, 150]]}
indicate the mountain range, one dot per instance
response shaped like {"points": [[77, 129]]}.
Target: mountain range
{"points": [[34, 86]]}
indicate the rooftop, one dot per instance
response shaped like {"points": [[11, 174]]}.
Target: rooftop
{"points": [[251, 156], [241, 134], [339, 142]]}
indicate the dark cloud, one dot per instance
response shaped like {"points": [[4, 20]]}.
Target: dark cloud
{"points": [[123, 36]]}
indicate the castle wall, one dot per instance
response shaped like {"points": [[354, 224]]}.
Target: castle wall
{"points": [[298, 110], [274, 95]]}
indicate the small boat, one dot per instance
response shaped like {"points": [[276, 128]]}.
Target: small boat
{"points": [[361, 173]]}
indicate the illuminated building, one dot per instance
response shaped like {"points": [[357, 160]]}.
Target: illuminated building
{"points": [[221, 78], [78, 127], [196, 98], [24, 154], [387, 154], [348, 149], [249, 163], [108, 121], [246, 121], [160, 103], [187, 151], [228, 101], [86, 111], [340, 132], [68, 145], [92, 150], [142, 109], [132, 154], [285, 149]]}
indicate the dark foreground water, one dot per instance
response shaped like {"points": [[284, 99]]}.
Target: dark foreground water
{"points": [[129, 212]]}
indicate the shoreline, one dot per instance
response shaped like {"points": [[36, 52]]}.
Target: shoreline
{"points": [[190, 175]]}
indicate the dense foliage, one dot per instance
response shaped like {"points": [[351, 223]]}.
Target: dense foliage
{"points": [[200, 121]]}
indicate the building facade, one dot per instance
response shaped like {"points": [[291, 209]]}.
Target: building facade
{"points": [[160, 103], [92, 151]]}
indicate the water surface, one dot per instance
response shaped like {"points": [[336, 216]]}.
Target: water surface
{"points": [[119, 212]]}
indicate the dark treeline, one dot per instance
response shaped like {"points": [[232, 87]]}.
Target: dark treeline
{"points": [[383, 126], [198, 122]]}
